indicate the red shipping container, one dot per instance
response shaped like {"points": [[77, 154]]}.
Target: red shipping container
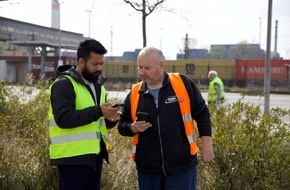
{"points": [[255, 70]]}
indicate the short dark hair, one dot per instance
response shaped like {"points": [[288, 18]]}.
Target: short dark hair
{"points": [[90, 45]]}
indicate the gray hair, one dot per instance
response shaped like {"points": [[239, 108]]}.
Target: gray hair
{"points": [[212, 72], [150, 51]]}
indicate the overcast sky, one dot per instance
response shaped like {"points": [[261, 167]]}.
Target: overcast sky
{"points": [[207, 22]]}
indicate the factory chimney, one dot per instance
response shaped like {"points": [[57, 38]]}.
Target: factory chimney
{"points": [[55, 14], [276, 54], [276, 32]]}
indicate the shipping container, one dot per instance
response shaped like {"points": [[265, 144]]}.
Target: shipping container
{"points": [[252, 72]]}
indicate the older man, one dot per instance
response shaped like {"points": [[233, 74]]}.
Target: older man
{"points": [[164, 145], [216, 93]]}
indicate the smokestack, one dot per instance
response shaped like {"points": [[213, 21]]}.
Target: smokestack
{"points": [[276, 31], [55, 14], [186, 50], [260, 31]]}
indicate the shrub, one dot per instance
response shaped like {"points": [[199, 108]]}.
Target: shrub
{"points": [[24, 160], [251, 149], [121, 172]]}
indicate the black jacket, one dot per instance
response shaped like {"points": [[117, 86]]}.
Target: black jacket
{"points": [[62, 99], [164, 149]]}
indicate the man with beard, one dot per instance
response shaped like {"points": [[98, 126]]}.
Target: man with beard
{"points": [[79, 117]]}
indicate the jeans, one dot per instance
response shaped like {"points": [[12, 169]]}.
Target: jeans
{"points": [[183, 181]]}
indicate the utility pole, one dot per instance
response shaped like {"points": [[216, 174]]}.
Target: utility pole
{"points": [[268, 61], [111, 43], [161, 34], [89, 11], [260, 31]]}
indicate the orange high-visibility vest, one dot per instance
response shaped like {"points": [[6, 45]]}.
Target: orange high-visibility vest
{"points": [[184, 104]]}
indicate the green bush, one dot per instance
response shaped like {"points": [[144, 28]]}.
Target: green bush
{"points": [[121, 172], [24, 160], [251, 149]]}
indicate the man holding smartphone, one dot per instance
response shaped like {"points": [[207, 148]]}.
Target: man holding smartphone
{"points": [[79, 119], [165, 149]]}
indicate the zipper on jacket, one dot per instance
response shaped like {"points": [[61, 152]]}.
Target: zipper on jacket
{"points": [[159, 132], [161, 147]]}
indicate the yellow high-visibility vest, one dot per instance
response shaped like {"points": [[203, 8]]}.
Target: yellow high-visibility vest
{"points": [[79, 140], [212, 93]]}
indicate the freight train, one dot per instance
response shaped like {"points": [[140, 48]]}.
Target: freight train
{"points": [[240, 72]]}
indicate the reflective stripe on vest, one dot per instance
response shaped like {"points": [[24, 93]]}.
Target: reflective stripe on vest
{"points": [[76, 137], [104, 132], [184, 104], [79, 140]]}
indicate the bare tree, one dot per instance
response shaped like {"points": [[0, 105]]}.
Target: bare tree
{"points": [[146, 7]]}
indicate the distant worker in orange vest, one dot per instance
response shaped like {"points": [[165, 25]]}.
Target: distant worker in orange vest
{"points": [[216, 92], [164, 144]]}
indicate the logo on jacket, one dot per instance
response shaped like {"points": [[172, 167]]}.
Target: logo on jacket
{"points": [[170, 99]]}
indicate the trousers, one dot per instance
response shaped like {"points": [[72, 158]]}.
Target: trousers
{"points": [[80, 177], [184, 181]]}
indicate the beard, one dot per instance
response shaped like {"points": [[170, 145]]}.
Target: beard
{"points": [[91, 76]]}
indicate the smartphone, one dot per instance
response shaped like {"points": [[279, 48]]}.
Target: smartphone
{"points": [[118, 105], [143, 116]]}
